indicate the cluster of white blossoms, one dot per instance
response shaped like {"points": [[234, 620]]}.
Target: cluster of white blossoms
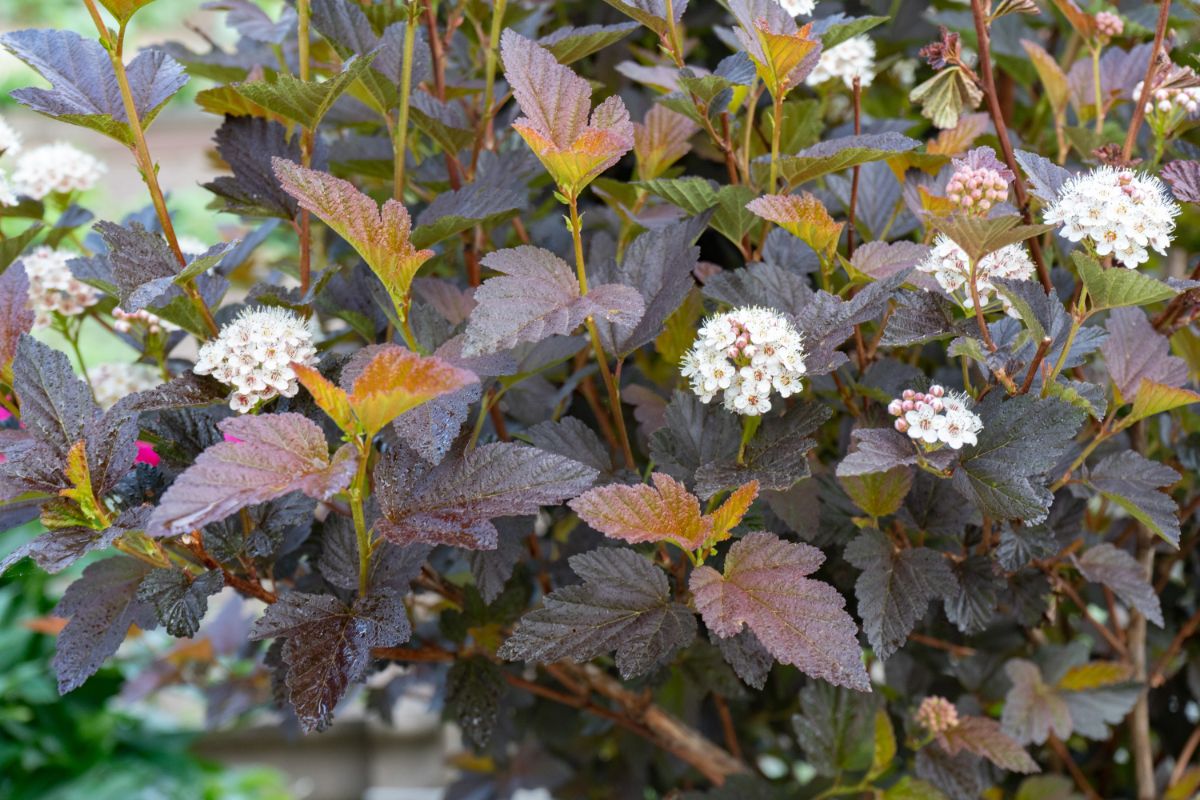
{"points": [[979, 181], [950, 267], [10, 145], [798, 7], [112, 382], [1121, 211], [52, 287], [853, 58], [937, 714], [747, 354], [254, 355], [152, 324], [56, 168], [1171, 101], [1109, 24], [936, 416]]}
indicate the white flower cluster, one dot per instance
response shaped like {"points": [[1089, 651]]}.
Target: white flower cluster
{"points": [[126, 321], [10, 140], [746, 353], [936, 416], [798, 7], [1109, 24], [52, 287], [949, 265], [112, 382], [1171, 101], [853, 58], [254, 354], [10, 144], [1121, 211], [57, 167]]}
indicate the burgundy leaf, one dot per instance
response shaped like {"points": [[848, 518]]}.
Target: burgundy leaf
{"points": [[984, 737], [276, 454], [1184, 177], [16, 317], [454, 502], [56, 406], [624, 604], [327, 645], [801, 621], [1135, 351], [538, 296], [101, 604]]}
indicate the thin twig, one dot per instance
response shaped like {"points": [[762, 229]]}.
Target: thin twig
{"points": [[854, 179], [1080, 779], [1139, 108], [1034, 365], [989, 89]]}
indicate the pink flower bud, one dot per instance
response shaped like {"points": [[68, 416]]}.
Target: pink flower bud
{"points": [[908, 394], [908, 405], [901, 425], [894, 408], [937, 390]]}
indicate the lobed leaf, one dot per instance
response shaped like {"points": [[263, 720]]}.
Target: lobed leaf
{"points": [[894, 588], [275, 454], [624, 605], [381, 236], [327, 645], [101, 606], [84, 84], [454, 502], [801, 621], [1133, 482]]}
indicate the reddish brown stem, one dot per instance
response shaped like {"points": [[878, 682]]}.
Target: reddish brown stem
{"points": [[1139, 108], [987, 77]]}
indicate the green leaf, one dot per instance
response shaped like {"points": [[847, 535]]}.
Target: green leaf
{"points": [[978, 236], [945, 96], [908, 788], [836, 29], [305, 102], [835, 155], [124, 10], [885, 744], [1085, 396], [732, 219], [569, 44], [1117, 286], [878, 493], [1155, 398], [13, 246], [693, 195]]}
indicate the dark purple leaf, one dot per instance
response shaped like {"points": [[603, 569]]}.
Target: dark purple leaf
{"points": [[624, 604], [247, 145], [453, 503], [1184, 177], [101, 604], [327, 645], [179, 598], [895, 587], [56, 406], [16, 317], [85, 90], [1135, 351], [473, 690], [1122, 573], [538, 296]]}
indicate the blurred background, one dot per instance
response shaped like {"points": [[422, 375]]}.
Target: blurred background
{"points": [[134, 730]]}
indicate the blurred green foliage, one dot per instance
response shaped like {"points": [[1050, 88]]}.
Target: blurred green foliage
{"points": [[63, 748]]}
